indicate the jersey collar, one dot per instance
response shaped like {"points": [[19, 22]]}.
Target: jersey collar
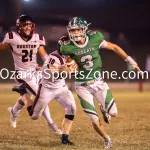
{"points": [[81, 46]]}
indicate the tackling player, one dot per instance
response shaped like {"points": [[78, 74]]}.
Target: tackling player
{"points": [[49, 89], [24, 45], [83, 46]]}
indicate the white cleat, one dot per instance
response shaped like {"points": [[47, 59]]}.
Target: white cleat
{"points": [[107, 143], [53, 128], [12, 118]]}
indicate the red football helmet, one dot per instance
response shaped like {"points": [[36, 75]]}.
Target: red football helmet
{"points": [[25, 25]]}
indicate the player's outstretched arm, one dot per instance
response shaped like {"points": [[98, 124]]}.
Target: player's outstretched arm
{"points": [[121, 52], [4, 46], [42, 53]]}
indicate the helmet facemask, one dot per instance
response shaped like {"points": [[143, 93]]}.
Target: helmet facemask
{"points": [[77, 33], [26, 28]]}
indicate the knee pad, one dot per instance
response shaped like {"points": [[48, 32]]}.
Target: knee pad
{"points": [[69, 117]]}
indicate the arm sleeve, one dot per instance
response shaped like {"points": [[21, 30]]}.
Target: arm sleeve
{"points": [[102, 42]]}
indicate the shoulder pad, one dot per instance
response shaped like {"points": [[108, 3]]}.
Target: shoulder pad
{"points": [[90, 32], [41, 37], [64, 40], [10, 34]]}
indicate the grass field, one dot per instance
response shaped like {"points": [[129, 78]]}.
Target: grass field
{"points": [[129, 131]]}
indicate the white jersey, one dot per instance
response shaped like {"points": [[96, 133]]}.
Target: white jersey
{"points": [[24, 52], [56, 60]]}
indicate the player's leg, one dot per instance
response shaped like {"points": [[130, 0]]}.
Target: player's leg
{"points": [[87, 103], [67, 101], [52, 126], [32, 88], [14, 111], [108, 106], [43, 97]]}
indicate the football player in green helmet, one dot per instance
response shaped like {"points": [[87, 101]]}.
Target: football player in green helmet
{"points": [[83, 46]]}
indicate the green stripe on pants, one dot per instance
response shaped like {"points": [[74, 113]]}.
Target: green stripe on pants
{"points": [[109, 97], [86, 105]]}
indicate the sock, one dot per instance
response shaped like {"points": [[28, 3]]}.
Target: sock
{"points": [[64, 137], [47, 116], [17, 108]]}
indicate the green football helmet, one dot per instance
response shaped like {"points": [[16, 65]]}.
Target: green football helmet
{"points": [[77, 23]]}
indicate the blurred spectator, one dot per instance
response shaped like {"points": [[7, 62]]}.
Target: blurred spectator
{"points": [[147, 67], [124, 43]]}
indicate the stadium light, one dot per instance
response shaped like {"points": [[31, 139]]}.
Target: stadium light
{"points": [[26, 0]]}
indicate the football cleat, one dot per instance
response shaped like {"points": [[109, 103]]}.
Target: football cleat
{"points": [[20, 89], [66, 142], [106, 116], [55, 129], [107, 143], [12, 117]]}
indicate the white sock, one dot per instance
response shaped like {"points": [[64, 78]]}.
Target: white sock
{"points": [[17, 108], [47, 116]]}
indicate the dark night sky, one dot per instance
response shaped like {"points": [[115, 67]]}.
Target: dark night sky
{"points": [[130, 16]]}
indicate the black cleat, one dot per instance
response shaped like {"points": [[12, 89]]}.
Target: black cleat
{"points": [[66, 142], [20, 89]]}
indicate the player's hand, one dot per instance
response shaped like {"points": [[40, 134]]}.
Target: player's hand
{"points": [[137, 68], [72, 67]]}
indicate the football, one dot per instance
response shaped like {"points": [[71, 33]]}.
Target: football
{"points": [[71, 63]]}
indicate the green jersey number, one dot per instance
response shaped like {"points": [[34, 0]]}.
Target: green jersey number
{"points": [[88, 61]]}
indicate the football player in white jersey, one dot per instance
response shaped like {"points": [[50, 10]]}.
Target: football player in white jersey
{"points": [[49, 89], [25, 44]]}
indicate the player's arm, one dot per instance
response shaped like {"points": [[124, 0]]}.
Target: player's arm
{"points": [[42, 52], [121, 52], [4, 46]]}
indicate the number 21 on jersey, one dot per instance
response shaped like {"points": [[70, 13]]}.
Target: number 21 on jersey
{"points": [[27, 55]]}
